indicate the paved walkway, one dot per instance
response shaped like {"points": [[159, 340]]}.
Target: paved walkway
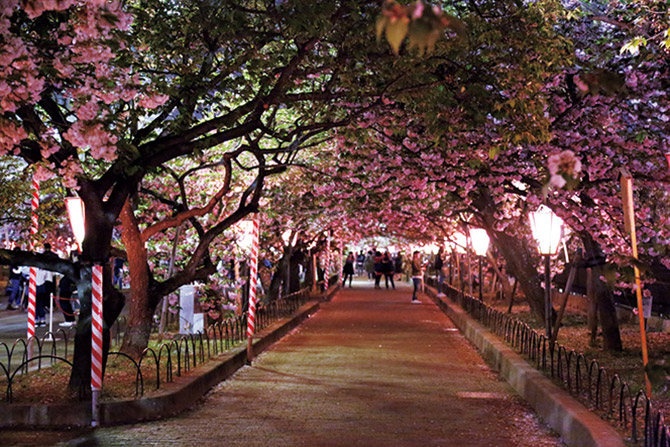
{"points": [[369, 369], [13, 325]]}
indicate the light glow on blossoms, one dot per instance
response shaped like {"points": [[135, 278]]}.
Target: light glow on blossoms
{"points": [[457, 242], [430, 249], [480, 241], [565, 164], [76, 213], [547, 230], [244, 232]]}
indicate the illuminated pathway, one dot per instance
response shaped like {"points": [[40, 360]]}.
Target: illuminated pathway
{"points": [[369, 369]]}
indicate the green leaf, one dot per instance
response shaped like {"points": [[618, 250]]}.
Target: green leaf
{"points": [[633, 46]]}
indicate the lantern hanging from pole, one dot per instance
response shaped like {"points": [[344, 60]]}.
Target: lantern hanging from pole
{"points": [[480, 241], [76, 213], [547, 230]]}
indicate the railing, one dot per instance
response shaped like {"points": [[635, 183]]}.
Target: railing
{"points": [[50, 348], [168, 359], [585, 379]]}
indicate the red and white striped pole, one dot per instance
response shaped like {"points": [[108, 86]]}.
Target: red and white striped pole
{"points": [[326, 267], [96, 344], [32, 284], [253, 283], [341, 258]]}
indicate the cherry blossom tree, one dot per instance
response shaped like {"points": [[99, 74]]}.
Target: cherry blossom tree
{"points": [[100, 94], [600, 115], [121, 100]]}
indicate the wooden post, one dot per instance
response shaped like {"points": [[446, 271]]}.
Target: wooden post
{"points": [[629, 221]]}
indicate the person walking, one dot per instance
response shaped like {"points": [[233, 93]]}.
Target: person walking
{"points": [[117, 273], [388, 270], [65, 290], [378, 269], [348, 269], [360, 263], [397, 265], [439, 271], [370, 265], [417, 274], [45, 282], [15, 286]]}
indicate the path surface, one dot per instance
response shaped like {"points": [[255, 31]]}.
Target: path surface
{"points": [[13, 325], [369, 369]]}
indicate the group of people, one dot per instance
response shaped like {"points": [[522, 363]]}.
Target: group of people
{"points": [[376, 265], [45, 282], [48, 283]]}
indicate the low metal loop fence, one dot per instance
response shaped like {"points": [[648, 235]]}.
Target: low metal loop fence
{"points": [[592, 384], [190, 350], [157, 365]]}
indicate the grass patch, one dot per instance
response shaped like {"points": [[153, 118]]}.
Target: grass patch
{"points": [[49, 385]]}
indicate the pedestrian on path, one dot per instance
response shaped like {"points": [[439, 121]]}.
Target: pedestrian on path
{"points": [[45, 280], [64, 300], [16, 283], [117, 273], [378, 269], [370, 264], [388, 270], [348, 270], [360, 262], [439, 271], [417, 274], [397, 265], [66, 288]]}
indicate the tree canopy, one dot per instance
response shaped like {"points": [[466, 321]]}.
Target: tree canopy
{"points": [[172, 120]]}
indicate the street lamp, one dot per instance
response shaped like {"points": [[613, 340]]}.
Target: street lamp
{"points": [[480, 244], [76, 213], [547, 230], [77, 216]]}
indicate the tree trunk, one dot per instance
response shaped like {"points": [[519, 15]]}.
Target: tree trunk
{"points": [[309, 272], [141, 311], [502, 277], [113, 302], [95, 250], [606, 312], [468, 262], [277, 278], [592, 315], [607, 315], [164, 301], [297, 258], [520, 262]]}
